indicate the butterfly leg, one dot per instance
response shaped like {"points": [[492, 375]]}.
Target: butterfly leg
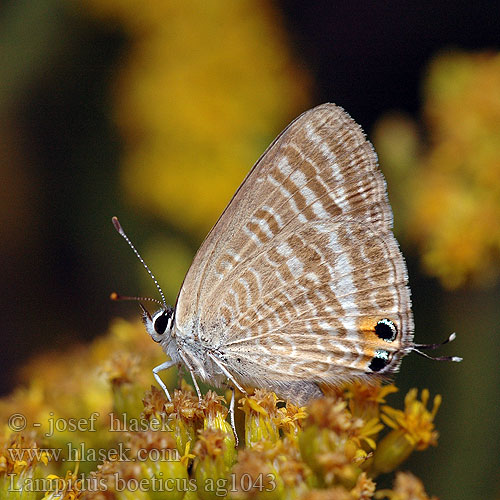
{"points": [[160, 368], [231, 416], [226, 373], [179, 375], [191, 371], [196, 386]]}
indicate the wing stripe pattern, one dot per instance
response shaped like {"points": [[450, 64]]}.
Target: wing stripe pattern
{"points": [[292, 279]]}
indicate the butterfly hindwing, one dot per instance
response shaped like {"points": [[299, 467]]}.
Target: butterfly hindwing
{"points": [[312, 312]]}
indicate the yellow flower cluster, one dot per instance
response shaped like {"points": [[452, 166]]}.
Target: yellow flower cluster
{"points": [[118, 447], [448, 198]]}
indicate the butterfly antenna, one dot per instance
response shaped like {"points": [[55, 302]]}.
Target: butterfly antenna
{"points": [[120, 230], [417, 347], [116, 296], [145, 312]]}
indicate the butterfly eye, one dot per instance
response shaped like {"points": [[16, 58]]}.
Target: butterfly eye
{"points": [[386, 330], [161, 322], [379, 361]]}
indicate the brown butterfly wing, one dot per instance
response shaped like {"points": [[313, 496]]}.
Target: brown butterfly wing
{"points": [[319, 177], [310, 313]]}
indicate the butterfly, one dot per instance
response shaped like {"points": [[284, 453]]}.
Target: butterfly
{"points": [[301, 281]]}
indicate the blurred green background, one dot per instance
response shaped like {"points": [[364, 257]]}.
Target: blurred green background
{"points": [[155, 111]]}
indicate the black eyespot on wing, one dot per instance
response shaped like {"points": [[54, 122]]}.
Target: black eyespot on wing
{"points": [[386, 330], [379, 361], [161, 322]]}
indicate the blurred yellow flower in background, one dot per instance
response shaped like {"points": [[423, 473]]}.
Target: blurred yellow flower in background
{"points": [[446, 191], [203, 90]]}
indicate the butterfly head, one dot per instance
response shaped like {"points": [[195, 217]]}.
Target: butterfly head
{"points": [[159, 325]]}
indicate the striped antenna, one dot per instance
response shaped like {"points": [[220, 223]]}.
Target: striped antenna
{"points": [[120, 230]]}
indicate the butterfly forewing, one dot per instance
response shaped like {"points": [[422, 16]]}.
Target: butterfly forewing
{"points": [[302, 264]]}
